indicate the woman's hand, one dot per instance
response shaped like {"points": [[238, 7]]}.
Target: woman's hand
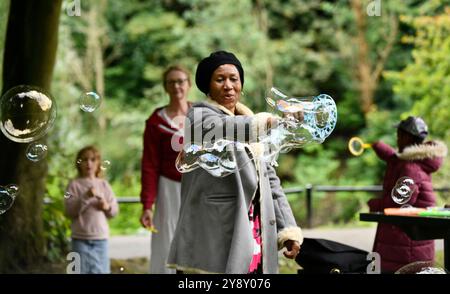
{"points": [[272, 122], [293, 248], [147, 218], [295, 115]]}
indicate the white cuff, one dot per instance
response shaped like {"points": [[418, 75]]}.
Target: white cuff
{"points": [[290, 233]]}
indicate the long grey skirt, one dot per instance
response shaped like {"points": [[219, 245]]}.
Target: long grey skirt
{"points": [[165, 220]]}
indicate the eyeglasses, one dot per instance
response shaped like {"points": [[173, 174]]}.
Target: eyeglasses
{"points": [[176, 82]]}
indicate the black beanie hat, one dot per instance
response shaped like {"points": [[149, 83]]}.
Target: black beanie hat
{"points": [[208, 65]]}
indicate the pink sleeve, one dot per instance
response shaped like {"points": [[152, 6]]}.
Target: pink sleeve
{"points": [[150, 166], [383, 150]]}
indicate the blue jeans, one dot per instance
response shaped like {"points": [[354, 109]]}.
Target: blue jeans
{"points": [[93, 254]]}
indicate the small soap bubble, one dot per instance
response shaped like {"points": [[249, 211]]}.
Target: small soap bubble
{"points": [[105, 165], [27, 113], [406, 206], [403, 190], [6, 200], [12, 190], [90, 101], [217, 159], [36, 151]]}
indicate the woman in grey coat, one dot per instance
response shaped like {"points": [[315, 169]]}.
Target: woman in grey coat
{"points": [[237, 223]]}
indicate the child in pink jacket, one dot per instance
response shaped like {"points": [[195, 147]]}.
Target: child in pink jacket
{"points": [[417, 160], [89, 202]]}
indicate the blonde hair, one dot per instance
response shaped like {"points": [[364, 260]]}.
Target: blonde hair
{"points": [[176, 67], [97, 155]]}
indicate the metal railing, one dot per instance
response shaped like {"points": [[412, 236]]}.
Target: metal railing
{"points": [[309, 191], [371, 189]]}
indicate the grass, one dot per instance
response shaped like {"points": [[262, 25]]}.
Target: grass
{"points": [[141, 266]]}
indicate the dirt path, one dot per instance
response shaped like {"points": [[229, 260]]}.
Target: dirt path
{"points": [[135, 246]]}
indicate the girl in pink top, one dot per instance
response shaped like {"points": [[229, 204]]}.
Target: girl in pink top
{"points": [[89, 202]]}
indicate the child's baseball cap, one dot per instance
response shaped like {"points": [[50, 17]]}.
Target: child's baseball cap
{"points": [[415, 126]]}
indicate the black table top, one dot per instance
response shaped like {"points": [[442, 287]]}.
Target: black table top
{"points": [[405, 220], [417, 227]]}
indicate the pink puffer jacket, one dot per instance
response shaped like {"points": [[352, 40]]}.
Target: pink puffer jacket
{"points": [[416, 162]]}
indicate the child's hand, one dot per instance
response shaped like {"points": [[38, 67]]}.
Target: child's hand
{"points": [[102, 204], [92, 192]]}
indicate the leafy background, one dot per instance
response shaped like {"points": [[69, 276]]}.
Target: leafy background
{"points": [[120, 49]]}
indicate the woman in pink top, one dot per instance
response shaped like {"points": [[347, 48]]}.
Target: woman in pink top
{"points": [[160, 180], [89, 202]]}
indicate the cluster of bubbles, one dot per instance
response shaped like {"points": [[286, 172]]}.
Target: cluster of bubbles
{"points": [[301, 121], [7, 196], [27, 114], [217, 158], [403, 190]]}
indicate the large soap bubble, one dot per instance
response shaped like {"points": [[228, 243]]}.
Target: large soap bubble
{"points": [[403, 190], [304, 119], [27, 113], [300, 121], [218, 158]]}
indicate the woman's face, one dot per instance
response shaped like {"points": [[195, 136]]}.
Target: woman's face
{"points": [[225, 86], [88, 164], [177, 85]]}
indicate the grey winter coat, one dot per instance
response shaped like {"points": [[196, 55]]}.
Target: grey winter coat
{"points": [[213, 233]]}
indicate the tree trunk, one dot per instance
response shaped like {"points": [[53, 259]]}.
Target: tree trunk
{"points": [[368, 71], [29, 58]]}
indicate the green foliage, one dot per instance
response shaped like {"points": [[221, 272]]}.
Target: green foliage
{"points": [[56, 230], [424, 84], [127, 221], [302, 47], [4, 8]]}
